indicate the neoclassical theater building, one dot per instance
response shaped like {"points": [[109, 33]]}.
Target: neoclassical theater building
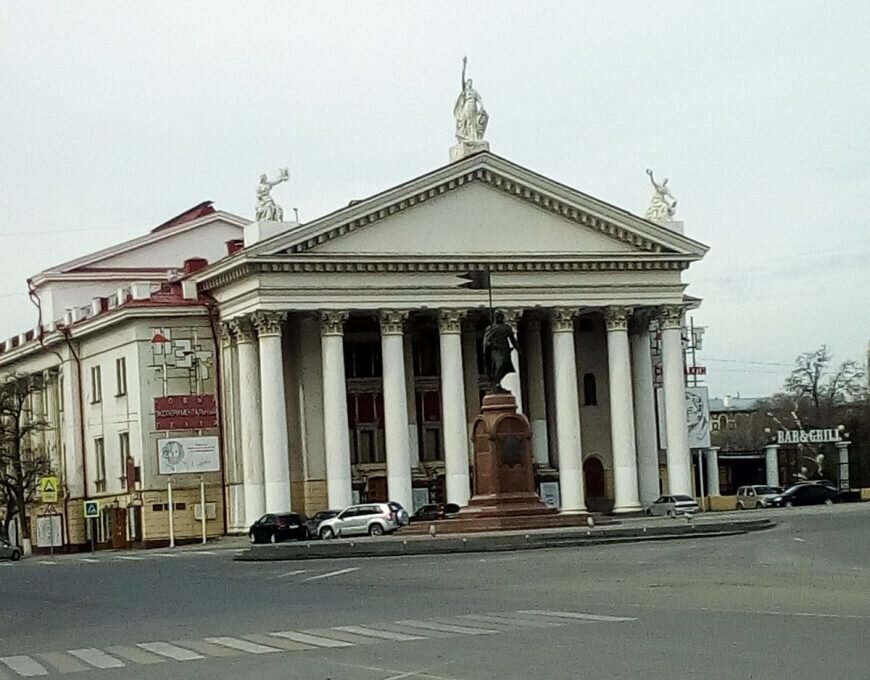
{"points": [[351, 362]]}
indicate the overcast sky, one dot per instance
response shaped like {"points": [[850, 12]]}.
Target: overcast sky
{"points": [[115, 116]]}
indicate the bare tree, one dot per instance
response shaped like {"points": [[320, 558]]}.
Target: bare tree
{"points": [[22, 461], [819, 389]]}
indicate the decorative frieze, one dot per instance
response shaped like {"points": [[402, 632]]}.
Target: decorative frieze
{"points": [[450, 320], [242, 329], [332, 322], [671, 316], [616, 318], [269, 323], [392, 322], [563, 319]]}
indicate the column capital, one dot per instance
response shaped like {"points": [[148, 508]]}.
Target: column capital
{"points": [[450, 320], [512, 316], [269, 323], [392, 321], [563, 319], [242, 329], [671, 316], [226, 330], [332, 322], [640, 320], [616, 318]]}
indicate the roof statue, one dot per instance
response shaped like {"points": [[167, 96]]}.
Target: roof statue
{"points": [[267, 210], [663, 204], [471, 119]]}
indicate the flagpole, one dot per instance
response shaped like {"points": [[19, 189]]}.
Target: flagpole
{"points": [[489, 289]]}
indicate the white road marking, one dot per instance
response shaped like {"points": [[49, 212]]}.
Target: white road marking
{"points": [[446, 627], [241, 645], [24, 665], [89, 560], [130, 558], [331, 573], [64, 663], [171, 651], [282, 643], [206, 649], [165, 554], [383, 634], [800, 540], [581, 617], [292, 573], [135, 655], [510, 621], [97, 658], [315, 640], [203, 552], [49, 562]]}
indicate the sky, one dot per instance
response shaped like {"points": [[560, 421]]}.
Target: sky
{"points": [[117, 116]]}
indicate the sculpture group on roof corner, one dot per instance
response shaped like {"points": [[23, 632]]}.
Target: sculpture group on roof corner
{"points": [[471, 117], [267, 209], [663, 205]]}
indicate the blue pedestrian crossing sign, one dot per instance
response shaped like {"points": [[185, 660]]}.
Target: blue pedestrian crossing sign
{"points": [[92, 509]]}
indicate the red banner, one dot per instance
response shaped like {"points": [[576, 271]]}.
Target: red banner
{"points": [[185, 412]]}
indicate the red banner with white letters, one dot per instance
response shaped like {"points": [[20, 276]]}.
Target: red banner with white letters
{"points": [[185, 412]]}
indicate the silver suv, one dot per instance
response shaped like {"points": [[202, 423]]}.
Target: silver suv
{"points": [[374, 519], [756, 496]]}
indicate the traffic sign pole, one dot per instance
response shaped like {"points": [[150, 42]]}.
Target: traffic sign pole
{"points": [[171, 515], [202, 507]]}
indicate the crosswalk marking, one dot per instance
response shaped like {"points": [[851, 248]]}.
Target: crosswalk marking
{"points": [[487, 618], [295, 572], [447, 627], [135, 655], [130, 558], [384, 634], [331, 573], [64, 663], [581, 617], [282, 643], [24, 665], [171, 651], [340, 635], [241, 645], [207, 649], [309, 639], [97, 658], [88, 560]]}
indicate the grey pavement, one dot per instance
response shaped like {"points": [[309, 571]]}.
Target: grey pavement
{"points": [[789, 602]]}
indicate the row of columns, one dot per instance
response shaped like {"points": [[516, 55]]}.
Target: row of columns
{"points": [[263, 419]]}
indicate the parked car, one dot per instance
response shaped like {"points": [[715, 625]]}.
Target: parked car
{"points": [[806, 494], [671, 506], [315, 522], [756, 496], [374, 519], [401, 514], [277, 527], [9, 551], [434, 511]]}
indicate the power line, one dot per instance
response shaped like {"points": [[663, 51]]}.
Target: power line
{"points": [[757, 363]]}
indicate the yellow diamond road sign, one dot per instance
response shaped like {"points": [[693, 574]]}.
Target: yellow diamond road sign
{"points": [[48, 489]]}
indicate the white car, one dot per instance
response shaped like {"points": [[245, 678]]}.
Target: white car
{"points": [[373, 519], [671, 506]]}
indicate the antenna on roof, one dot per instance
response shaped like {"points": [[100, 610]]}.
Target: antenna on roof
{"points": [[296, 214]]}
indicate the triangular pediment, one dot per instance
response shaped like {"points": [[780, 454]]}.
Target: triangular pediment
{"points": [[481, 205]]}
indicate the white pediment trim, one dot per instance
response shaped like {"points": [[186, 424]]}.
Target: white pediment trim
{"points": [[588, 212]]}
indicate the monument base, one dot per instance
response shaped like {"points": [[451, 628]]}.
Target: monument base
{"points": [[463, 149]]}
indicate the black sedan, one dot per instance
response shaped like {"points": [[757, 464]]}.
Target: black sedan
{"points": [[805, 494], [277, 527], [432, 512]]}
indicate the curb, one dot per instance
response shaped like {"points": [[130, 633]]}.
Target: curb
{"points": [[482, 543]]}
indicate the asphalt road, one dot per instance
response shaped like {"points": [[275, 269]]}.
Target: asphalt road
{"points": [[791, 602]]}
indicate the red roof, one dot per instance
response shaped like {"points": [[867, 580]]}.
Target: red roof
{"points": [[197, 211]]}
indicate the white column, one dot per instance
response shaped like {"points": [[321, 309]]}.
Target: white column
{"points": [[52, 418], [250, 421], [843, 476], [673, 378], [567, 412], [453, 425], [273, 407], [512, 381], [396, 409], [644, 411], [72, 447], [234, 492], [711, 466], [771, 464], [537, 396], [336, 436], [621, 412], [411, 395]]}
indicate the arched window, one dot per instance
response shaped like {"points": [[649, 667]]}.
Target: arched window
{"points": [[590, 390]]}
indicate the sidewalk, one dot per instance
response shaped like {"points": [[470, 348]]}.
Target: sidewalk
{"points": [[656, 529]]}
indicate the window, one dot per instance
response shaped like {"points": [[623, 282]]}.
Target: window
{"points": [[121, 377], [590, 390], [124, 448], [96, 385], [100, 457]]}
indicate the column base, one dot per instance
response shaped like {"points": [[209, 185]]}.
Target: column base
{"points": [[627, 509], [575, 511]]}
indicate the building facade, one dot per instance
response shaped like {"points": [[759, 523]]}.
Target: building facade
{"points": [[351, 348]]}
